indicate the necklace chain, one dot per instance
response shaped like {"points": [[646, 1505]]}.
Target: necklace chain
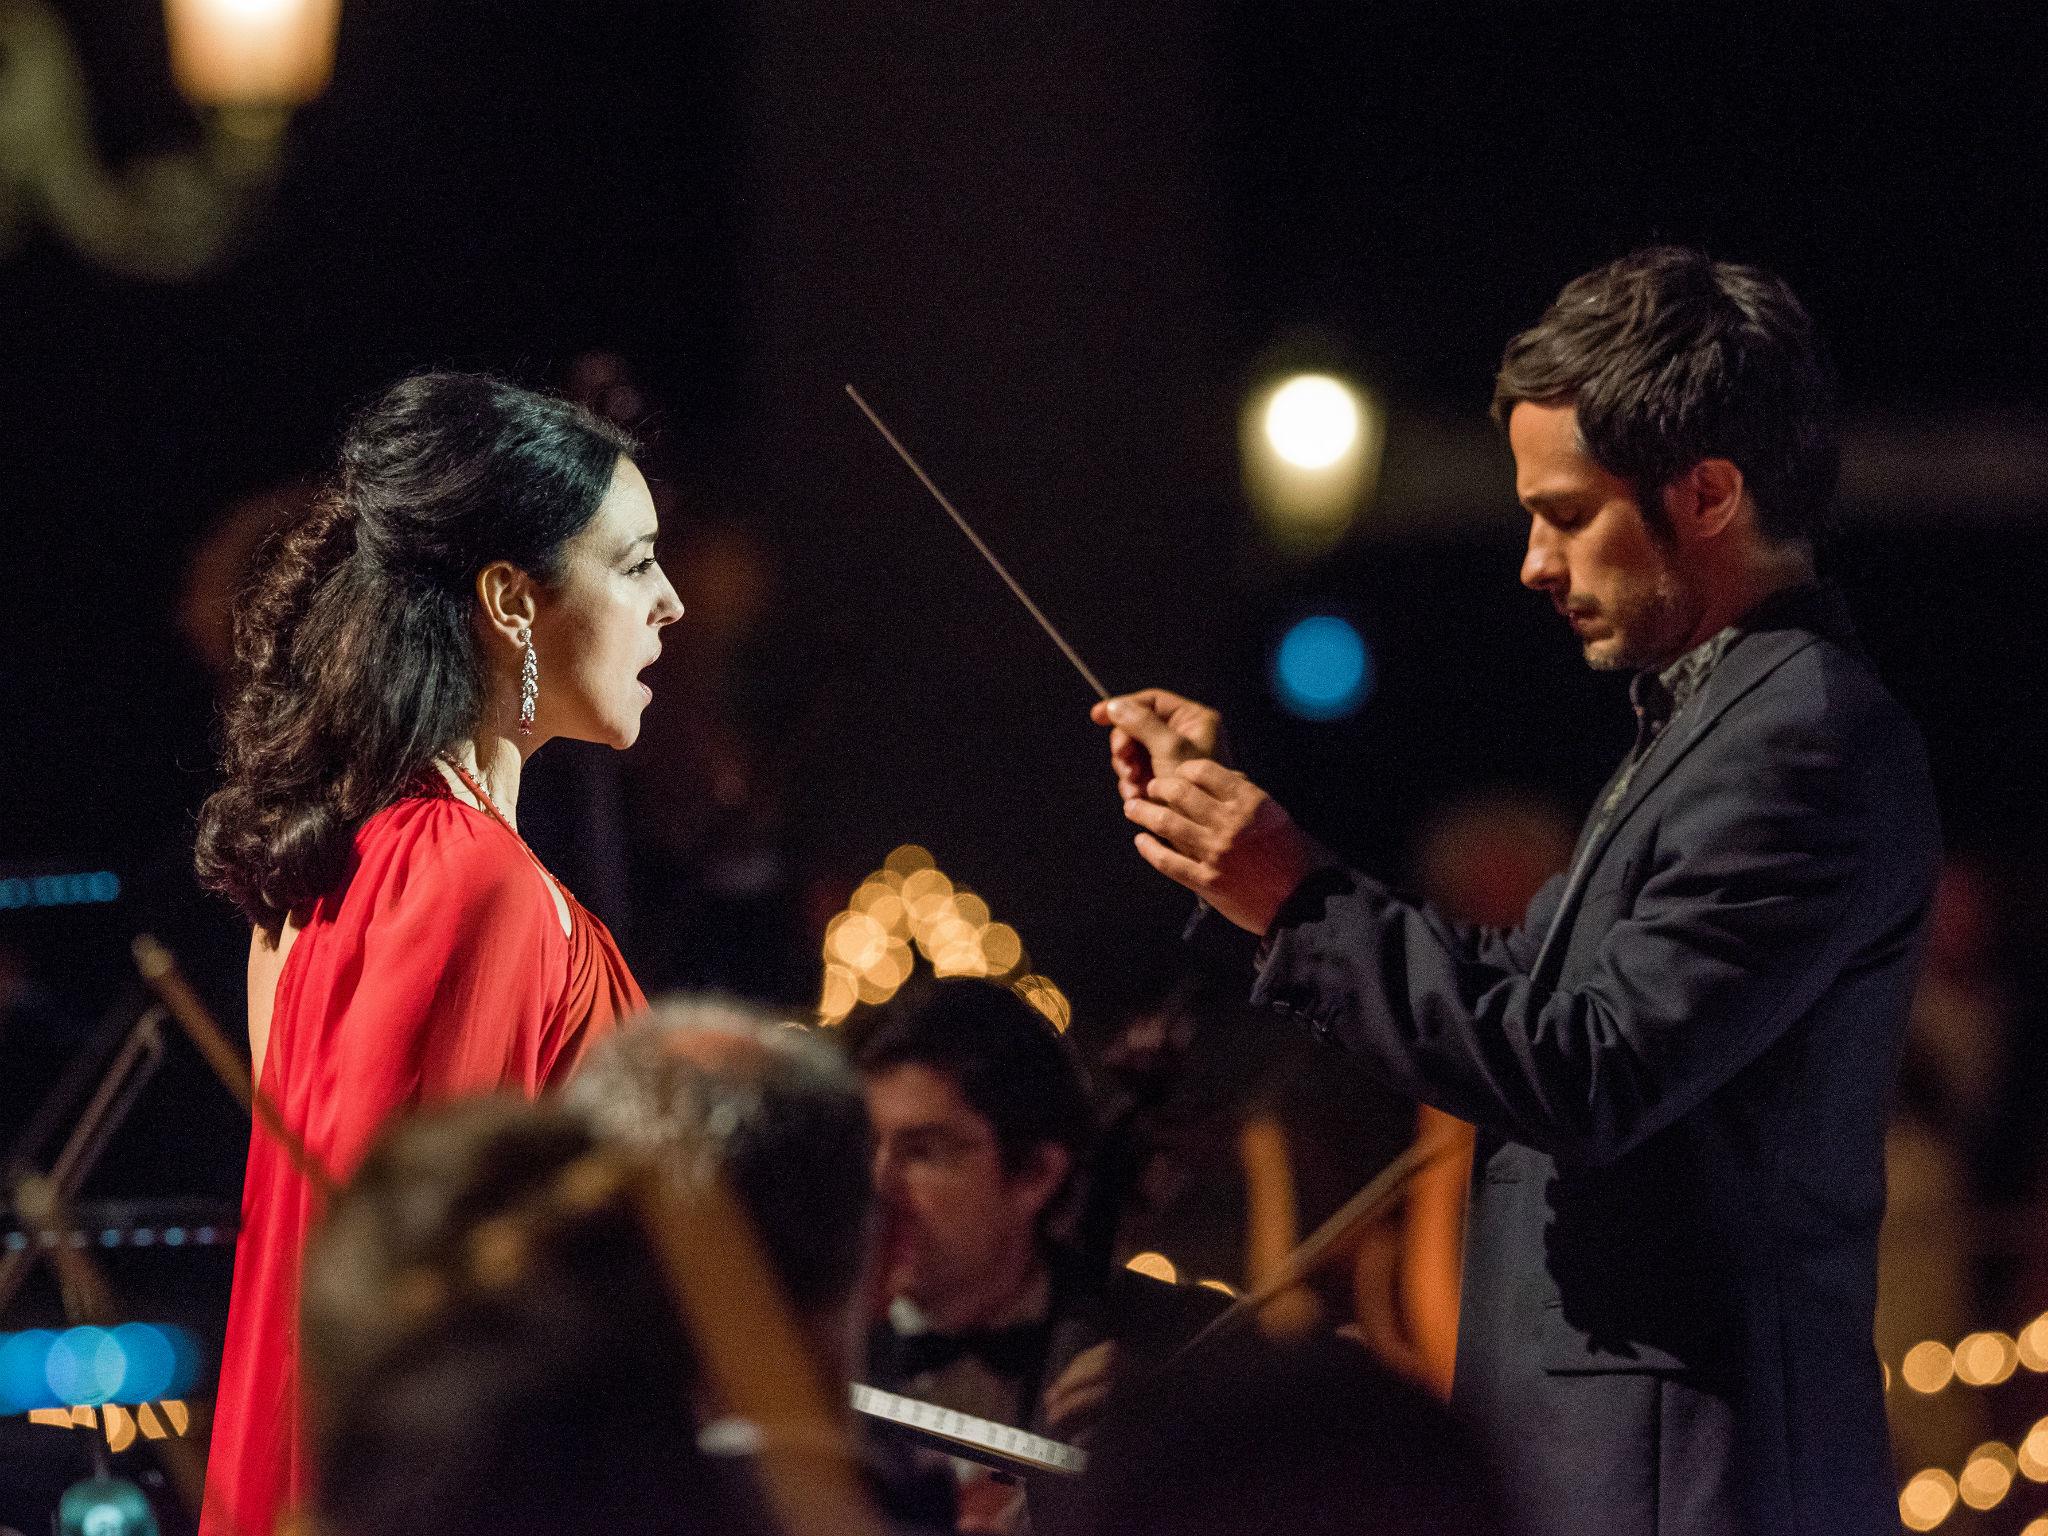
{"points": [[484, 801]]}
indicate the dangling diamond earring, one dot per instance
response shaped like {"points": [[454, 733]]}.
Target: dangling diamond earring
{"points": [[529, 686]]}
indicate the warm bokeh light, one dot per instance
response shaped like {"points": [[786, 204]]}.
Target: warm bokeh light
{"points": [[907, 859], [2033, 1344], [1312, 421], [1157, 1265], [908, 902], [1047, 999], [839, 995], [1927, 1500], [1311, 454], [1222, 1286], [252, 53], [1985, 1359], [2035, 1527], [927, 893], [1987, 1476], [2032, 1457], [1001, 948], [1928, 1366]]}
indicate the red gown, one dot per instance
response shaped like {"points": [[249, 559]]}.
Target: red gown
{"points": [[439, 969]]}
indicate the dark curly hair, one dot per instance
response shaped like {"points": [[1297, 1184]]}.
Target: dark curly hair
{"points": [[1671, 357], [356, 647]]}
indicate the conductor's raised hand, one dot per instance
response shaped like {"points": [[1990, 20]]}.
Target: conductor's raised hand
{"points": [[1154, 732], [1220, 835]]}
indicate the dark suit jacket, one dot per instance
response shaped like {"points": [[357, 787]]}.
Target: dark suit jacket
{"points": [[1680, 1067]]}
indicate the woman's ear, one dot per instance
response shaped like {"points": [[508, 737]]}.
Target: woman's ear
{"points": [[506, 594]]}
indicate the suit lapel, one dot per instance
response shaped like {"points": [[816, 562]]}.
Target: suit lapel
{"points": [[1749, 660]]}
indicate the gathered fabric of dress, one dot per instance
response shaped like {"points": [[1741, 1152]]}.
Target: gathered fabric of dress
{"points": [[439, 969]]}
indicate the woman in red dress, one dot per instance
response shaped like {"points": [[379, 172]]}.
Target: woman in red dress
{"points": [[480, 579]]}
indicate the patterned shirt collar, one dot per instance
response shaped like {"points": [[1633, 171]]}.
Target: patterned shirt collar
{"points": [[1657, 696]]}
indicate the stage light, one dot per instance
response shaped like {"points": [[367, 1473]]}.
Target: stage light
{"points": [[1985, 1359], [1312, 421], [24, 1360], [1157, 1265], [149, 1363], [907, 859], [252, 53], [1987, 1476], [2032, 1458], [2033, 1344], [1311, 448], [1321, 669], [104, 1506], [1928, 1367], [926, 894], [1927, 1500], [1002, 948], [85, 1365]]}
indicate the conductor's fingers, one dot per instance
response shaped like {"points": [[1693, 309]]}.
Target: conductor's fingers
{"points": [[1168, 825], [1199, 878], [1166, 745]]}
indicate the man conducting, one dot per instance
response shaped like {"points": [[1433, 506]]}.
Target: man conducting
{"points": [[1680, 1062]]}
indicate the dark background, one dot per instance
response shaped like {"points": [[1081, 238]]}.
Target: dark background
{"points": [[1055, 245]]}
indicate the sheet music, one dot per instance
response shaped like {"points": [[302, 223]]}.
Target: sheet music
{"points": [[970, 1435]]}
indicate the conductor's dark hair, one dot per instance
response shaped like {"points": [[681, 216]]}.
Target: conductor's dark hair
{"points": [[357, 651], [1671, 357], [489, 1343], [1011, 1065]]}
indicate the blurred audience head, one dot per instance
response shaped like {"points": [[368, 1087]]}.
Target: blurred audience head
{"points": [[712, 1087], [1482, 856], [489, 1344], [981, 1116], [1325, 1440]]}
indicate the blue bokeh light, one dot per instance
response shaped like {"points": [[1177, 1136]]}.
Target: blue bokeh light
{"points": [[86, 1366], [131, 1363], [24, 1358], [1322, 669]]}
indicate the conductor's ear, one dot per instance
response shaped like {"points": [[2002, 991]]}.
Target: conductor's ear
{"points": [[1704, 501]]}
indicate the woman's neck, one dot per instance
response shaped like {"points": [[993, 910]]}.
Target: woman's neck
{"points": [[494, 761]]}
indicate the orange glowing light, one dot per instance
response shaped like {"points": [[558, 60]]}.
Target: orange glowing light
{"points": [[907, 860], [856, 940], [1987, 1476], [970, 908], [839, 994], [180, 1416], [1048, 999], [1985, 1359], [2032, 1344], [926, 893], [1002, 947], [1223, 1286], [1157, 1265], [1927, 1499], [1928, 1367], [120, 1426], [2032, 1459], [252, 52]]}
